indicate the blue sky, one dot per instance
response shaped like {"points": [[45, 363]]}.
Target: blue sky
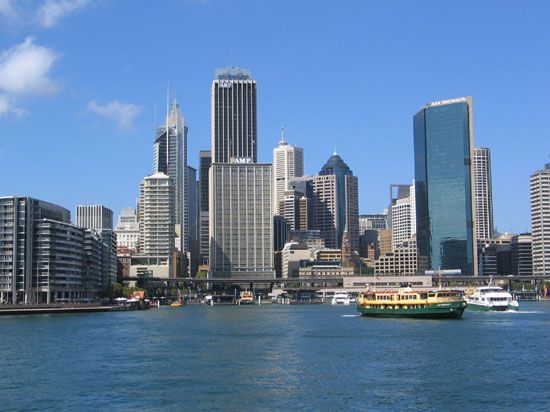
{"points": [[80, 80]]}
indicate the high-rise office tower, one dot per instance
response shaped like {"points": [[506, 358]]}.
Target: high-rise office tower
{"points": [[234, 129], [170, 158], [540, 220], [445, 209], [94, 217], [336, 203], [241, 221], [156, 225], [403, 214], [483, 186], [193, 217], [205, 161], [240, 194], [288, 163]]}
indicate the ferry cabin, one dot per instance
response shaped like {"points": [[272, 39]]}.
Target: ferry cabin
{"points": [[407, 300]]}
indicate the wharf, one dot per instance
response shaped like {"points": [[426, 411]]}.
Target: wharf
{"points": [[54, 309]]}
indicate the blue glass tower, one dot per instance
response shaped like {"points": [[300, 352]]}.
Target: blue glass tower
{"points": [[445, 212]]}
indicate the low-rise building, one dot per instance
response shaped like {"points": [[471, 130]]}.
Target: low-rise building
{"points": [[403, 261]]}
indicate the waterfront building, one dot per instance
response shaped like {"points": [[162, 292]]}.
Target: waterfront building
{"points": [[157, 228], [205, 160], [170, 158], [373, 221], [58, 261], [540, 220], [94, 252], [94, 217], [445, 209], [288, 163], [336, 203], [483, 194], [241, 221], [234, 128], [403, 213], [402, 261], [43, 255], [127, 229], [99, 219], [521, 254], [316, 269], [360, 283]]}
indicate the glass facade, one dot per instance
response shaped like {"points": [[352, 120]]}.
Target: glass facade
{"points": [[442, 146]]}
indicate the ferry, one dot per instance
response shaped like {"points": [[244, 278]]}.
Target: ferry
{"points": [[246, 298], [491, 298], [341, 297], [408, 303]]}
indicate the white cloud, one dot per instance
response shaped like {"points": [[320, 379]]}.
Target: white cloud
{"points": [[24, 71], [123, 114], [7, 9], [52, 11]]}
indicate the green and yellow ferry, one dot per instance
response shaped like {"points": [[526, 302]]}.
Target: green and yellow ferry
{"points": [[409, 303]]}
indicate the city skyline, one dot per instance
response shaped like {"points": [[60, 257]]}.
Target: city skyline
{"points": [[76, 139]]}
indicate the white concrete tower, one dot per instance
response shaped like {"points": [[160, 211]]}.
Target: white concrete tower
{"points": [[288, 163], [540, 220], [483, 188]]}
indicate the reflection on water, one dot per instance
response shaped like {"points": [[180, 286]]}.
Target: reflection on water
{"points": [[275, 357]]}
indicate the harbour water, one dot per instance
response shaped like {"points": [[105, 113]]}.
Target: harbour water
{"points": [[274, 357]]}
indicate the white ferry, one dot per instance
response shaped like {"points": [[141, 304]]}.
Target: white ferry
{"points": [[341, 297], [491, 298]]}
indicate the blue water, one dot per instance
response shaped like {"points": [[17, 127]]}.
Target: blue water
{"points": [[275, 357]]}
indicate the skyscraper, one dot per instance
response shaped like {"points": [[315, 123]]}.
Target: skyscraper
{"points": [[403, 214], [240, 194], [94, 217], [234, 129], [288, 163], [170, 158], [204, 167], [156, 227], [483, 194], [241, 221], [445, 210], [193, 217], [336, 203], [540, 220]]}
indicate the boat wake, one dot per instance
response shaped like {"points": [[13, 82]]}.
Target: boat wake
{"points": [[349, 316], [519, 312]]}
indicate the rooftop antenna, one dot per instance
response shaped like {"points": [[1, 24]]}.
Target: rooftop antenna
{"points": [[231, 58], [282, 134], [334, 152], [167, 103]]}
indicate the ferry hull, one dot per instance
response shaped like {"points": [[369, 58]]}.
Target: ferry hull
{"points": [[452, 310], [484, 308]]}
